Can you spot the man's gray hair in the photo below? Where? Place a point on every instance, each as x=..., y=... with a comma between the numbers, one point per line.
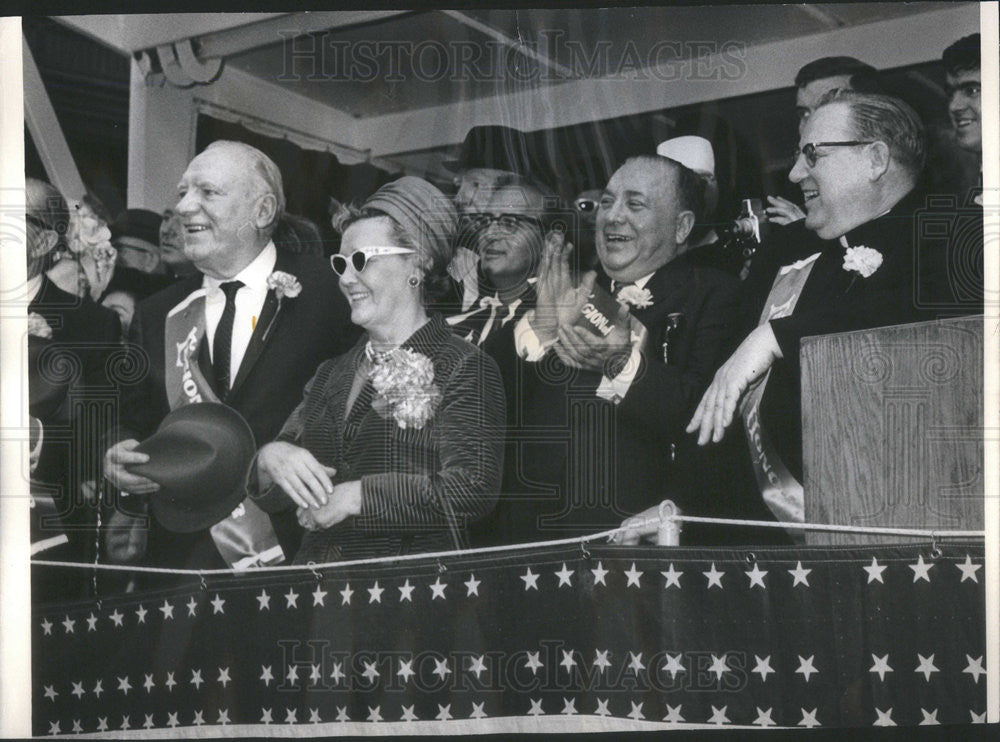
x=885, y=118
x=267, y=173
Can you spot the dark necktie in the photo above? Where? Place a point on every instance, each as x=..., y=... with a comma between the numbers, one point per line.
x=222, y=344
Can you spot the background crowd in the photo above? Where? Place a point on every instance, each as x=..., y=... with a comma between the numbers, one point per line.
x=491, y=366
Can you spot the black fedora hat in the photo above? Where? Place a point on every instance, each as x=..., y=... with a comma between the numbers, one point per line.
x=200, y=456
x=494, y=147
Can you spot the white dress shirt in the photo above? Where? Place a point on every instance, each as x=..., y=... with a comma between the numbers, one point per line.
x=249, y=302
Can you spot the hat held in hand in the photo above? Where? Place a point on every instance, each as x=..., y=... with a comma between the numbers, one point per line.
x=200, y=456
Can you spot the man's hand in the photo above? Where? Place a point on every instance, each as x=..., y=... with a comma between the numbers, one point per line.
x=557, y=300
x=751, y=360
x=117, y=458
x=343, y=503
x=297, y=472
x=782, y=211
x=580, y=348
x=127, y=537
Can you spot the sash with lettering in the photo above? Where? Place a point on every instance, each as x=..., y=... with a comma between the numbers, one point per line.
x=245, y=538
x=781, y=491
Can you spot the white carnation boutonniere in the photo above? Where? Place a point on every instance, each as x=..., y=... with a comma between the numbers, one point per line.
x=404, y=388
x=37, y=326
x=633, y=296
x=862, y=260
x=285, y=286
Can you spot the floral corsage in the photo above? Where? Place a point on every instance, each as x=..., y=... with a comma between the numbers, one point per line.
x=862, y=260
x=405, y=388
x=635, y=297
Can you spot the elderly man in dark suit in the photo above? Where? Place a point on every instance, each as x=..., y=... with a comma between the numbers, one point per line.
x=601, y=415
x=852, y=264
x=250, y=329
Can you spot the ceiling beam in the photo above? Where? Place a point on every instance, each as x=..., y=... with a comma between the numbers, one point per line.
x=550, y=65
x=275, y=30
x=759, y=69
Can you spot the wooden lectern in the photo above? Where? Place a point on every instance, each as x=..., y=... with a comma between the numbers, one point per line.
x=893, y=428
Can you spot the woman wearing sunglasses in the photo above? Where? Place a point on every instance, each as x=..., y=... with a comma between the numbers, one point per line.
x=397, y=445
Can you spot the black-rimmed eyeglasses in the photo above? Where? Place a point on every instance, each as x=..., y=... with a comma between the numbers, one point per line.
x=809, y=150
x=506, y=222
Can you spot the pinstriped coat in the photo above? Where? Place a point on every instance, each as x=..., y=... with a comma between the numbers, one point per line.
x=420, y=487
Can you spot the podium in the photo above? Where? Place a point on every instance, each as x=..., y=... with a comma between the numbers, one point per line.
x=893, y=428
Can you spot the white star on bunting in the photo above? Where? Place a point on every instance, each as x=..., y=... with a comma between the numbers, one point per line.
x=764, y=718
x=602, y=707
x=223, y=717
x=199, y=718
x=408, y=714
x=406, y=591
x=342, y=714
x=68, y=624
x=763, y=667
x=319, y=596
x=809, y=719
x=290, y=716
x=533, y=662
x=102, y=723
x=636, y=662
x=530, y=580
x=567, y=660
x=719, y=666
x=338, y=673
x=345, y=594
x=564, y=576
x=98, y=688
x=632, y=575
x=714, y=577
x=374, y=713
x=78, y=690
x=292, y=676
x=477, y=711
x=375, y=593
x=477, y=666
x=437, y=589
x=969, y=569
x=171, y=720
x=599, y=574
x=264, y=599
x=441, y=668
x=881, y=666
x=192, y=606
x=975, y=667
x=569, y=707
x=124, y=685
x=536, y=707
x=977, y=718
x=926, y=666
x=806, y=667
x=444, y=712
x=91, y=622
x=126, y=724
x=148, y=684
x=46, y=627
x=141, y=614
x=265, y=675
x=718, y=716
x=370, y=672
x=930, y=717
x=874, y=571
x=170, y=682
x=884, y=718
x=78, y=727
x=291, y=599
x=167, y=609
x=674, y=665
x=756, y=576
x=51, y=692
x=921, y=569
x=406, y=670
x=636, y=712
x=674, y=714
x=314, y=716
x=601, y=661
x=217, y=604
x=148, y=723
x=196, y=680
x=471, y=586
x=672, y=577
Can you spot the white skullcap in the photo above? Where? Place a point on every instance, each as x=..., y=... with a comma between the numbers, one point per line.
x=695, y=153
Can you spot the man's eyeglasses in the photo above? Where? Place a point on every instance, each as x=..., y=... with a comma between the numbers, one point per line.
x=506, y=222
x=809, y=150
x=359, y=258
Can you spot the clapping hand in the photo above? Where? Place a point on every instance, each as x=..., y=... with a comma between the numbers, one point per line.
x=558, y=302
x=580, y=348
x=751, y=360
x=782, y=211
